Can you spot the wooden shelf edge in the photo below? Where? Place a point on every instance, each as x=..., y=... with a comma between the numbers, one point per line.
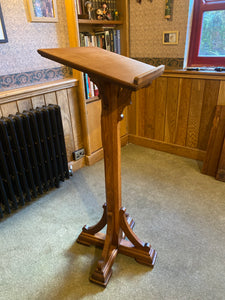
x=99, y=22
x=92, y=99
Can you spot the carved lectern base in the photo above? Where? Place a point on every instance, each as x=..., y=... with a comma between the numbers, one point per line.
x=133, y=247
x=119, y=225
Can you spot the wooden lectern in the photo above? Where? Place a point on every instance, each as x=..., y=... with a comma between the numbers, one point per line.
x=116, y=77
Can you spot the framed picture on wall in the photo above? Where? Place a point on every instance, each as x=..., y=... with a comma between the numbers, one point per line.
x=3, y=35
x=43, y=10
x=170, y=37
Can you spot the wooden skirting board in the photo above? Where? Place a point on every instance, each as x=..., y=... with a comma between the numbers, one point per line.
x=170, y=148
x=149, y=143
x=217, y=169
x=94, y=157
x=76, y=165
x=98, y=155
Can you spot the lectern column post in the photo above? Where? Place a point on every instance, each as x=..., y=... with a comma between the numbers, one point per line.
x=112, y=156
x=114, y=99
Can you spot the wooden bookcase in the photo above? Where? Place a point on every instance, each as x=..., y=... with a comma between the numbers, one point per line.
x=91, y=108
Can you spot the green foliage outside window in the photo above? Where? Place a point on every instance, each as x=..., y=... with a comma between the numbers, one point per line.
x=213, y=34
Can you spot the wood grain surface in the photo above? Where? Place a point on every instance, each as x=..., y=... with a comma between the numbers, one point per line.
x=220, y=175
x=177, y=109
x=215, y=144
x=116, y=68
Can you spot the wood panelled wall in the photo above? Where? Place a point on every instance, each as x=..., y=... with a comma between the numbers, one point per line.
x=63, y=93
x=94, y=110
x=175, y=113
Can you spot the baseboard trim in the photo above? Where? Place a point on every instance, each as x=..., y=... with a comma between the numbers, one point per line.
x=166, y=147
x=94, y=157
x=98, y=155
x=76, y=165
x=144, y=142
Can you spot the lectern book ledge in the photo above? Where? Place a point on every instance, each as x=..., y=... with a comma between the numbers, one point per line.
x=116, y=77
x=109, y=65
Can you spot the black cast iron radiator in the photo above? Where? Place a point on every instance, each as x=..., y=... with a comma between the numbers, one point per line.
x=32, y=155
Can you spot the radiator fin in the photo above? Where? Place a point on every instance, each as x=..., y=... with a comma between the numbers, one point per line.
x=32, y=156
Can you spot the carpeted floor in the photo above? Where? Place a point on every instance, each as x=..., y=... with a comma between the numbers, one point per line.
x=177, y=209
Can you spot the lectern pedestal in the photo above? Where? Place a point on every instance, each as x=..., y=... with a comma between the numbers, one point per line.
x=116, y=77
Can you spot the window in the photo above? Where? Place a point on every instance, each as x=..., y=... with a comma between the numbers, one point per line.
x=207, y=39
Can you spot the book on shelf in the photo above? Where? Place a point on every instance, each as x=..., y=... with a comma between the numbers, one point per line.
x=80, y=7
x=108, y=39
x=95, y=4
x=85, y=85
x=118, y=41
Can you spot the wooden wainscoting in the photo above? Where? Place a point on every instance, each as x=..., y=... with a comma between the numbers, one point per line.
x=94, y=109
x=175, y=113
x=61, y=92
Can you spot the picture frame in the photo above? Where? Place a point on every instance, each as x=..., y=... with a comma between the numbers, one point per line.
x=3, y=34
x=43, y=11
x=170, y=37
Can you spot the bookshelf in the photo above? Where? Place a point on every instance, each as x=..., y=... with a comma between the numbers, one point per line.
x=90, y=106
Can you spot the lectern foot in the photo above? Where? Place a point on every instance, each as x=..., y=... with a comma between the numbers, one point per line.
x=142, y=252
x=87, y=235
x=99, y=278
x=145, y=256
x=103, y=271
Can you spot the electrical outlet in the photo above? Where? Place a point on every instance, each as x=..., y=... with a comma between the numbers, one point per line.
x=78, y=154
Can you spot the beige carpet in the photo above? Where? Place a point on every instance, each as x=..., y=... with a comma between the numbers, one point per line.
x=177, y=209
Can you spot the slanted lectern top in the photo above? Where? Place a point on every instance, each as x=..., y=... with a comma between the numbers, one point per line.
x=105, y=64
x=116, y=77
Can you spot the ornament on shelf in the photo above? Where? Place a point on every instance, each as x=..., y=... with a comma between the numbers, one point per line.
x=103, y=13
x=89, y=8
x=169, y=10
x=99, y=14
x=115, y=15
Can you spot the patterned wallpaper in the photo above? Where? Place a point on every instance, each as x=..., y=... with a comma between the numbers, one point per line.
x=20, y=64
x=147, y=24
x=17, y=80
x=169, y=62
x=20, y=53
